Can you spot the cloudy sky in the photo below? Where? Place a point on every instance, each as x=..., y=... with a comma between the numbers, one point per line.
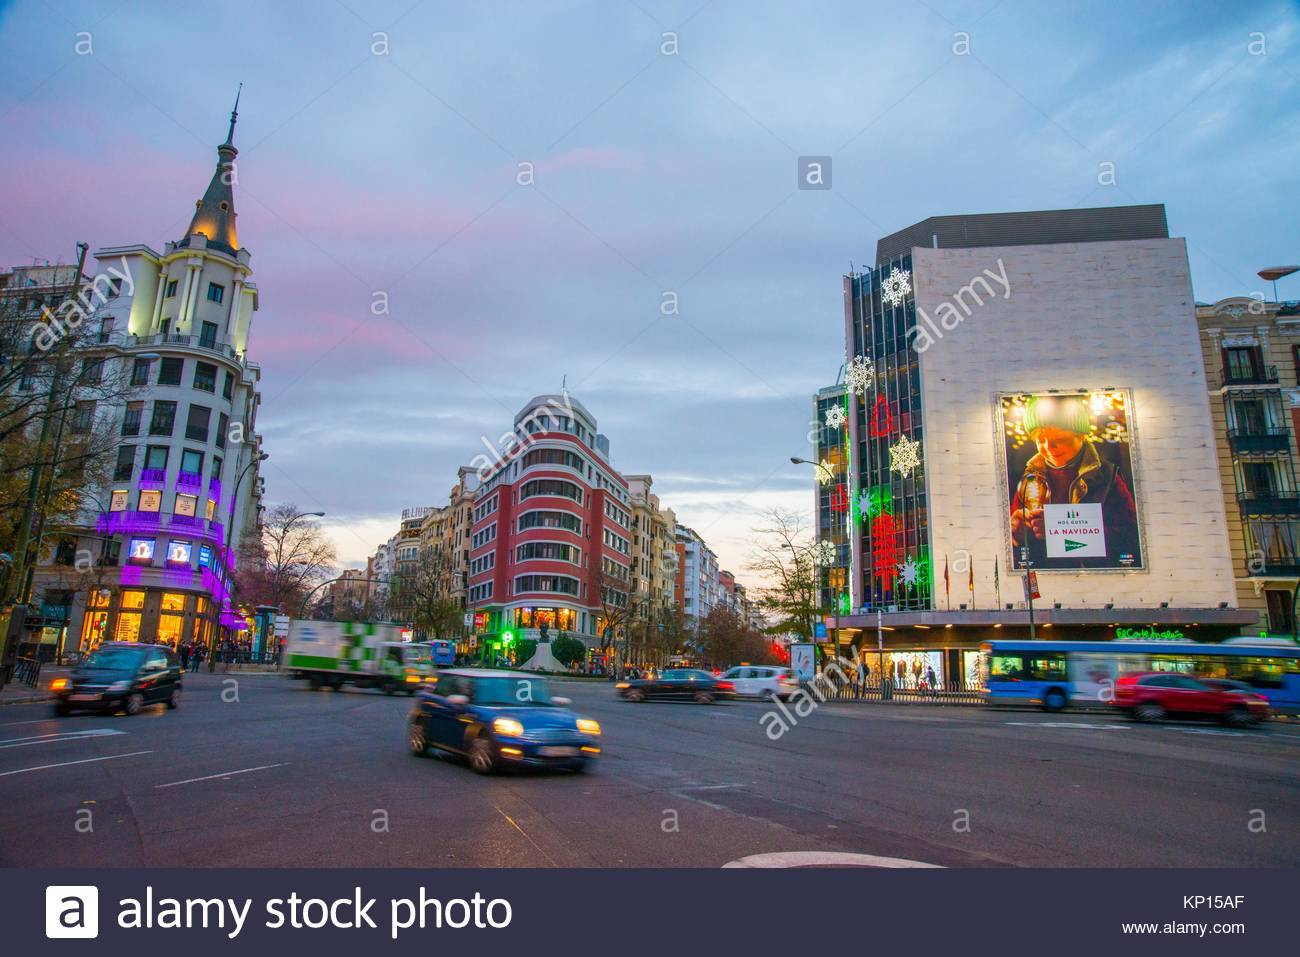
x=381, y=146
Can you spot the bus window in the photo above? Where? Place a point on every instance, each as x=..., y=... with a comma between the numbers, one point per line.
x=1007, y=668
x=1261, y=672
x=1047, y=667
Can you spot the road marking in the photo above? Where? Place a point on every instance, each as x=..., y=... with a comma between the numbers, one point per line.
x=55, y=736
x=64, y=764
x=1070, y=724
x=824, y=859
x=223, y=774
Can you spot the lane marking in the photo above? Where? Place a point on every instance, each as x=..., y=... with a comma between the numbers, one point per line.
x=824, y=859
x=55, y=736
x=1070, y=724
x=64, y=764
x=223, y=774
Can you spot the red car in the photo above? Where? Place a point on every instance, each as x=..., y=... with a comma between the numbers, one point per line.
x=1153, y=696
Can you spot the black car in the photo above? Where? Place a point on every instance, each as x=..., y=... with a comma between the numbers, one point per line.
x=683, y=684
x=120, y=676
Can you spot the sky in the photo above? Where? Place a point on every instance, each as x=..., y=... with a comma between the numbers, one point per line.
x=530, y=186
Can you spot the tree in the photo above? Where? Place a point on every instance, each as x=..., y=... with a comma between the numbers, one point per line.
x=422, y=590
x=614, y=608
x=568, y=651
x=784, y=557
x=728, y=640
x=296, y=557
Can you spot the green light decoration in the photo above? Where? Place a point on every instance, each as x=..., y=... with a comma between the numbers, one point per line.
x=846, y=604
x=507, y=636
x=876, y=500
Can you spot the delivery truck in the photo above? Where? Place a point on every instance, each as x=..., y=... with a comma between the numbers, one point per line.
x=330, y=654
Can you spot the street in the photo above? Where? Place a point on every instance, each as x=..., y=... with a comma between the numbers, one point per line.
x=256, y=770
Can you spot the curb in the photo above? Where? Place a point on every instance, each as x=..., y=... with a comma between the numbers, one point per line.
x=28, y=699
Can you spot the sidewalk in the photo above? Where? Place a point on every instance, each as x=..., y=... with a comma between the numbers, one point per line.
x=15, y=692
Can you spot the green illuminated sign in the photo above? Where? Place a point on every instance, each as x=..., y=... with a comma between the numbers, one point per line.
x=1148, y=634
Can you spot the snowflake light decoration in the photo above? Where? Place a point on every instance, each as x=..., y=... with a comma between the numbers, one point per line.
x=904, y=456
x=825, y=472
x=876, y=500
x=835, y=417
x=895, y=287
x=824, y=553
x=909, y=572
x=860, y=374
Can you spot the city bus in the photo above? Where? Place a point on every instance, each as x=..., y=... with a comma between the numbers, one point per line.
x=444, y=652
x=1057, y=674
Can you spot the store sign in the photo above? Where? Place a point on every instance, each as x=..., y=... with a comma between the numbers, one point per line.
x=1149, y=634
x=1074, y=531
x=802, y=661
x=118, y=501
x=150, y=500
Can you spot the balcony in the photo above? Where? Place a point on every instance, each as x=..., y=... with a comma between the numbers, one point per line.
x=153, y=478
x=1268, y=502
x=1265, y=375
x=1277, y=567
x=1248, y=441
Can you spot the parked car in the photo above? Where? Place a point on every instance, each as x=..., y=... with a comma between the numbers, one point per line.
x=498, y=719
x=1153, y=696
x=681, y=684
x=762, y=681
x=120, y=676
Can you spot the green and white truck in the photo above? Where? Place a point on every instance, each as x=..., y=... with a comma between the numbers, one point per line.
x=330, y=654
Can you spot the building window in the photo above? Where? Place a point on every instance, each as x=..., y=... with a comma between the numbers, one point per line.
x=560, y=584
x=171, y=289
x=480, y=593
x=205, y=376
x=556, y=487
x=546, y=551
x=192, y=462
x=1241, y=363
x=83, y=417
x=106, y=328
x=481, y=538
x=125, y=464
x=140, y=372
x=216, y=467
x=155, y=458
x=164, y=418
x=92, y=372
x=131, y=420
x=196, y=426
x=208, y=335
x=223, y=425
x=1279, y=611
x=228, y=387
x=215, y=292
x=170, y=371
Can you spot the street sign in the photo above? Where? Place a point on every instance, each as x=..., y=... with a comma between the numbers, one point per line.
x=282, y=626
x=469, y=619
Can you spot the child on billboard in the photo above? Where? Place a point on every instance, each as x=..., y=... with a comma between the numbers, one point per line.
x=1068, y=469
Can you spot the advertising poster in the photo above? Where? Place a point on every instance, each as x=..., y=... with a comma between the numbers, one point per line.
x=1072, y=499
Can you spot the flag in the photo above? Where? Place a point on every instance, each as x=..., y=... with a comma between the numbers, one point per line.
x=971, y=582
x=997, y=583
x=947, y=592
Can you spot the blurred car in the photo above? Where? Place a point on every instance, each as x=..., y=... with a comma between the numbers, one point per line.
x=497, y=719
x=120, y=676
x=1154, y=696
x=762, y=681
x=680, y=684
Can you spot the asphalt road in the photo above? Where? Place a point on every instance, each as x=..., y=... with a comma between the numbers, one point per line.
x=288, y=777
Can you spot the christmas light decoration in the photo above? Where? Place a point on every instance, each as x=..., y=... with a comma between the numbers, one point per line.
x=860, y=374
x=876, y=500
x=904, y=456
x=882, y=419
x=884, y=548
x=824, y=552
x=835, y=417
x=839, y=499
x=895, y=287
x=825, y=472
x=909, y=572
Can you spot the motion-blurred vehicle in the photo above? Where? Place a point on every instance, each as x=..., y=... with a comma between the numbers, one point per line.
x=499, y=719
x=762, y=681
x=442, y=651
x=120, y=676
x=1157, y=695
x=330, y=654
x=681, y=684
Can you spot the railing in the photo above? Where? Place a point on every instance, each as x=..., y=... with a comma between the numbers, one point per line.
x=836, y=689
x=1268, y=501
x=28, y=671
x=1259, y=440
x=1265, y=376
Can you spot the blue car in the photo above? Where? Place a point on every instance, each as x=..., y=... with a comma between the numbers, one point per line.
x=499, y=719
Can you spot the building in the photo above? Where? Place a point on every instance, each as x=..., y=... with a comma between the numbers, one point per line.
x=406, y=559
x=654, y=551
x=383, y=565
x=349, y=594
x=697, y=577
x=1252, y=363
x=163, y=533
x=832, y=510
x=550, y=540
x=1027, y=392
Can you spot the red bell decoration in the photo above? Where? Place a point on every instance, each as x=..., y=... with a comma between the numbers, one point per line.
x=882, y=420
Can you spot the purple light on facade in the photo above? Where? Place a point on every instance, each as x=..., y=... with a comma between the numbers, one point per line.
x=153, y=478
x=132, y=574
x=179, y=576
x=191, y=481
x=214, y=489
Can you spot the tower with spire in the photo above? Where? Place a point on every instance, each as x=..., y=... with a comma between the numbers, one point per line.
x=214, y=214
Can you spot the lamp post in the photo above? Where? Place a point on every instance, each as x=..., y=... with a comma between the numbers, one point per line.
x=835, y=629
x=226, y=592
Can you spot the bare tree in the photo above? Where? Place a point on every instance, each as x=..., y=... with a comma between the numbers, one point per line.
x=296, y=557
x=784, y=556
x=423, y=591
x=615, y=608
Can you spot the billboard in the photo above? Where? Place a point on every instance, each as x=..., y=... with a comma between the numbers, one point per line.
x=1071, y=498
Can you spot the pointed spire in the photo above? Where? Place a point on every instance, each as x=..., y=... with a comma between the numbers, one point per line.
x=214, y=214
x=234, y=115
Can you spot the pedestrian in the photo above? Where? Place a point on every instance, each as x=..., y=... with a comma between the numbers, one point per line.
x=930, y=679
x=185, y=657
x=862, y=676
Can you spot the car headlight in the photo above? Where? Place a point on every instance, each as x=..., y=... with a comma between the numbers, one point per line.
x=508, y=727
x=588, y=726
x=119, y=686
x=59, y=684
x=622, y=684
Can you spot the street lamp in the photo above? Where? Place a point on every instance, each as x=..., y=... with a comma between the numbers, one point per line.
x=234, y=497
